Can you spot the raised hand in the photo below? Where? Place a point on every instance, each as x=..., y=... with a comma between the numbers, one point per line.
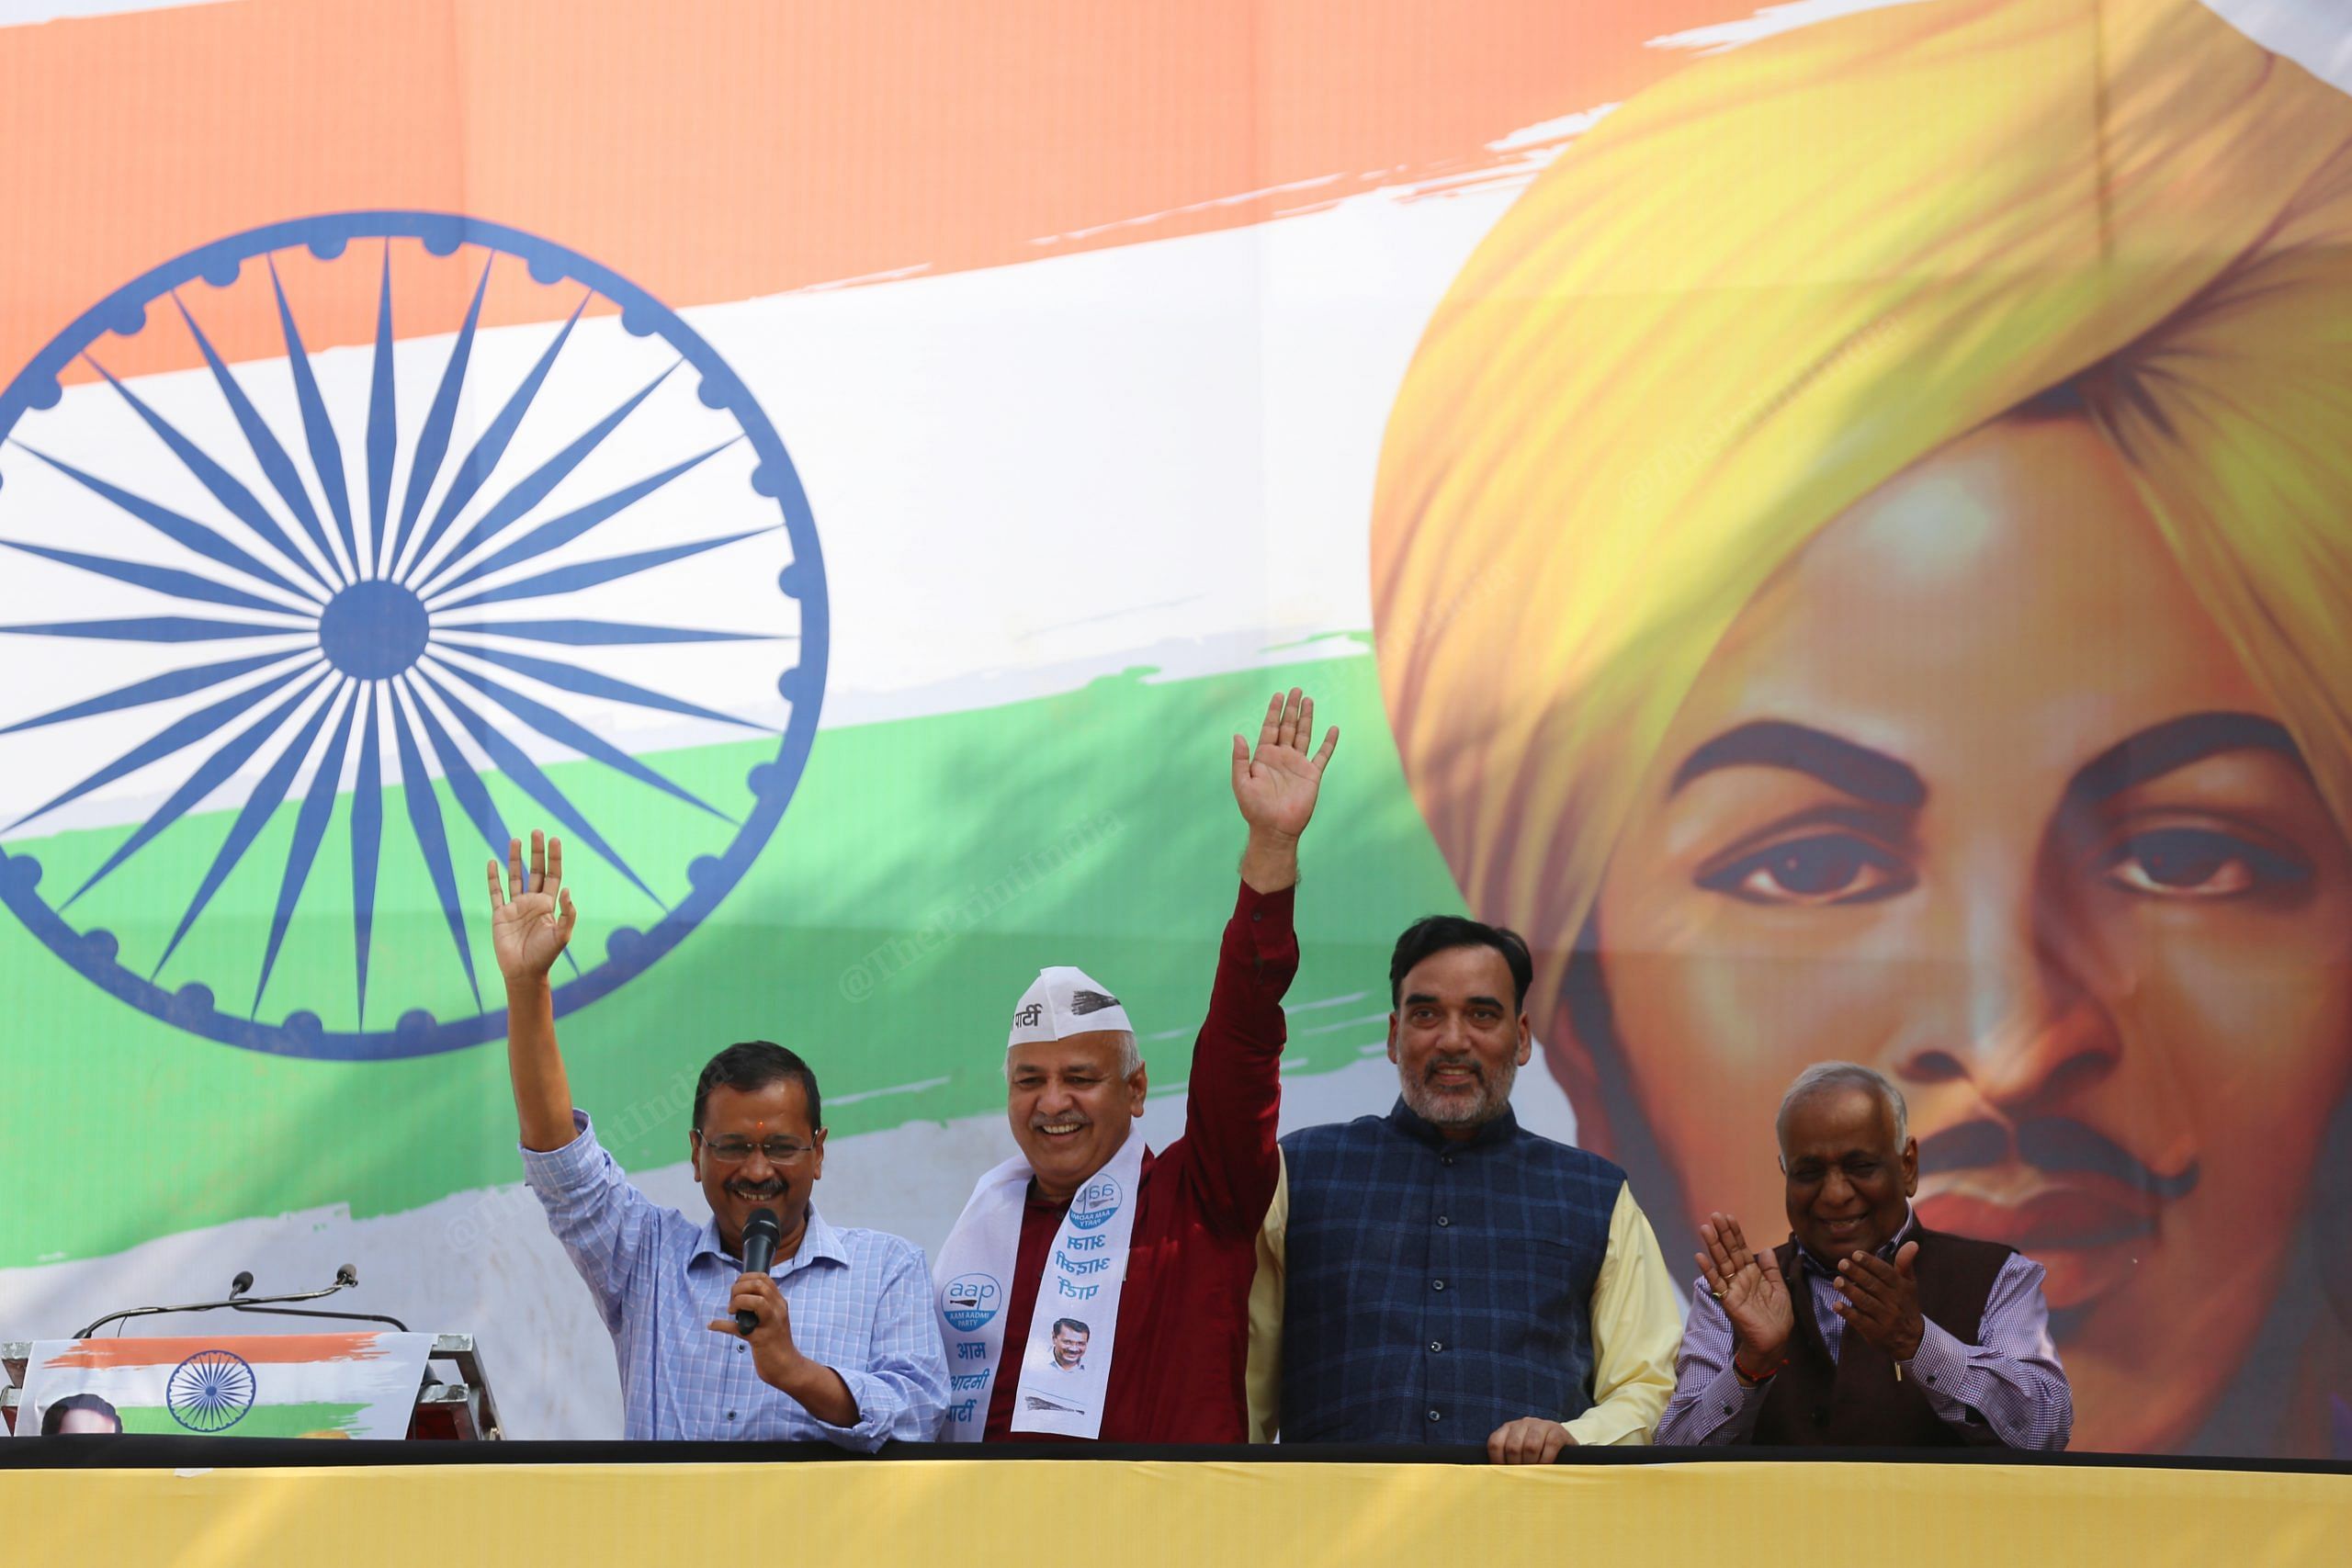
x=530, y=920
x=1276, y=787
x=1749, y=1287
x=1879, y=1301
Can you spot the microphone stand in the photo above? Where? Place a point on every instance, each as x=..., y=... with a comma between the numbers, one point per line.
x=346, y=1278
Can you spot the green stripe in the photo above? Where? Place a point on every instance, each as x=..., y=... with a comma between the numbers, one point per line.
x=944, y=859
x=260, y=1421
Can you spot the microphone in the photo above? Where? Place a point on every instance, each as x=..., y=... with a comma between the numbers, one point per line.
x=760, y=1233
x=345, y=1278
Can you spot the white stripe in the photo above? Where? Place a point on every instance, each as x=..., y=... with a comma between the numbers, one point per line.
x=1158, y=455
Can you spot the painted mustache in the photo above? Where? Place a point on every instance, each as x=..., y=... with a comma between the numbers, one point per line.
x=2056, y=1145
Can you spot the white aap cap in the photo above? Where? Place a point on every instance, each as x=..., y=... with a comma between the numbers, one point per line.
x=1063, y=1001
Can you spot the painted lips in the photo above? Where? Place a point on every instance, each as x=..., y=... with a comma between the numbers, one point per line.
x=2055, y=1217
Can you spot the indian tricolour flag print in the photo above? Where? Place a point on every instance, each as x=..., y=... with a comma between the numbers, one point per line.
x=278, y=1385
x=847, y=470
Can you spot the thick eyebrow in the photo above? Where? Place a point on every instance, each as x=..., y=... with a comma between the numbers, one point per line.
x=2168, y=747
x=1842, y=765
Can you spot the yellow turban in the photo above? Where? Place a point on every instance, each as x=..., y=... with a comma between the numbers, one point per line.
x=1759, y=290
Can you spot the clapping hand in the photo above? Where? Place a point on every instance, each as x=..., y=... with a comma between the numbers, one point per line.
x=1880, y=1301
x=1749, y=1287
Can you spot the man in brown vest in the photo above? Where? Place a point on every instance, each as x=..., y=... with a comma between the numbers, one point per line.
x=1865, y=1327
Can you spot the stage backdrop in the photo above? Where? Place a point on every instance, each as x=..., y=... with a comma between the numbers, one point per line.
x=1832, y=518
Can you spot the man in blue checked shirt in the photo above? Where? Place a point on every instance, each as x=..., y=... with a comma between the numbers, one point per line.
x=845, y=1347
x=1445, y=1275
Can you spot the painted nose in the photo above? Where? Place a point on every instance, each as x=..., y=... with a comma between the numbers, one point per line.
x=2029, y=1030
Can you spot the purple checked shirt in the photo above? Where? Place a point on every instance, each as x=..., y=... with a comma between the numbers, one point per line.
x=860, y=1300
x=2009, y=1380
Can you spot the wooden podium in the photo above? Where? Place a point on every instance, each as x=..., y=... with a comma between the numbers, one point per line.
x=328, y=1383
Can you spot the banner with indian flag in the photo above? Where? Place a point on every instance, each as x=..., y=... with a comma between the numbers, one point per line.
x=847, y=470
x=254, y=1385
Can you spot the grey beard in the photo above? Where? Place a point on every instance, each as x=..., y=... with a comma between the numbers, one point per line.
x=1494, y=1096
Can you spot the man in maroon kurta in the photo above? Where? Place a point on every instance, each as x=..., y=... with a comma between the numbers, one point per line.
x=1175, y=1375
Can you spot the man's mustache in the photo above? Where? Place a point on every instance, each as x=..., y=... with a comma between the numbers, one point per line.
x=2054, y=1143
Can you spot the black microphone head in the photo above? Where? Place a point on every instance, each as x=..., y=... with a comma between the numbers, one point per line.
x=241, y=1283
x=347, y=1275
x=762, y=1231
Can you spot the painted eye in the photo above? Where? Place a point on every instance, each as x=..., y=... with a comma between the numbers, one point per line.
x=2199, y=862
x=1823, y=868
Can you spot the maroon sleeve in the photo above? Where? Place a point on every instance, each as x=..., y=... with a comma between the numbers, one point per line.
x=1235, y=1096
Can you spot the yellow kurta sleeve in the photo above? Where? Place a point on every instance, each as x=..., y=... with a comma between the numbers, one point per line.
x=1263, y=1379
x=1636, y=1328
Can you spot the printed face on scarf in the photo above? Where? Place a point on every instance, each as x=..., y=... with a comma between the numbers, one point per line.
x=1070, y=1107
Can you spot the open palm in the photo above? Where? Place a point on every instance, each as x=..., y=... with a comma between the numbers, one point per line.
x=1748, y=1285
x=531, y=912
x=1276, y=787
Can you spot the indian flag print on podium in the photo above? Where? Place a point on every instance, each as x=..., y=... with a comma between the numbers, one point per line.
x=276, y=1385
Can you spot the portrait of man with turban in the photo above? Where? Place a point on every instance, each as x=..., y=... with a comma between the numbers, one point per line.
x=1860, y=565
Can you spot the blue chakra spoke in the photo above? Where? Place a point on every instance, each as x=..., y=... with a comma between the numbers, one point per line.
x=209, y=775
x=154, y=689
x=309, y=830
x=366, y=840
x=534, y=487
x=595, y=633
x=588, y=574
x=153, y=628
x=472, y=791
x=185, y=532
x=384, y=421
x=158, y=579
x=275, y=463
x=326, y=450
x=479, y=464
x=425, y=820
x=589, y=683
x=569, y=732
x=562, y=531
x=179, y=735
x=252, y=818
x=432, y=441
x=458, y=770
x=527, y=775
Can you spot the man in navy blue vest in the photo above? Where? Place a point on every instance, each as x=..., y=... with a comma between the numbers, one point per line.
x=1447, y=1276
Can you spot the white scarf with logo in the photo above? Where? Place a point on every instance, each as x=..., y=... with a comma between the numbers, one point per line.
x=1080, y=1286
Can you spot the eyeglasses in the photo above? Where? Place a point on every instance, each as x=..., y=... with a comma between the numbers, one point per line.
x=735, y=1151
